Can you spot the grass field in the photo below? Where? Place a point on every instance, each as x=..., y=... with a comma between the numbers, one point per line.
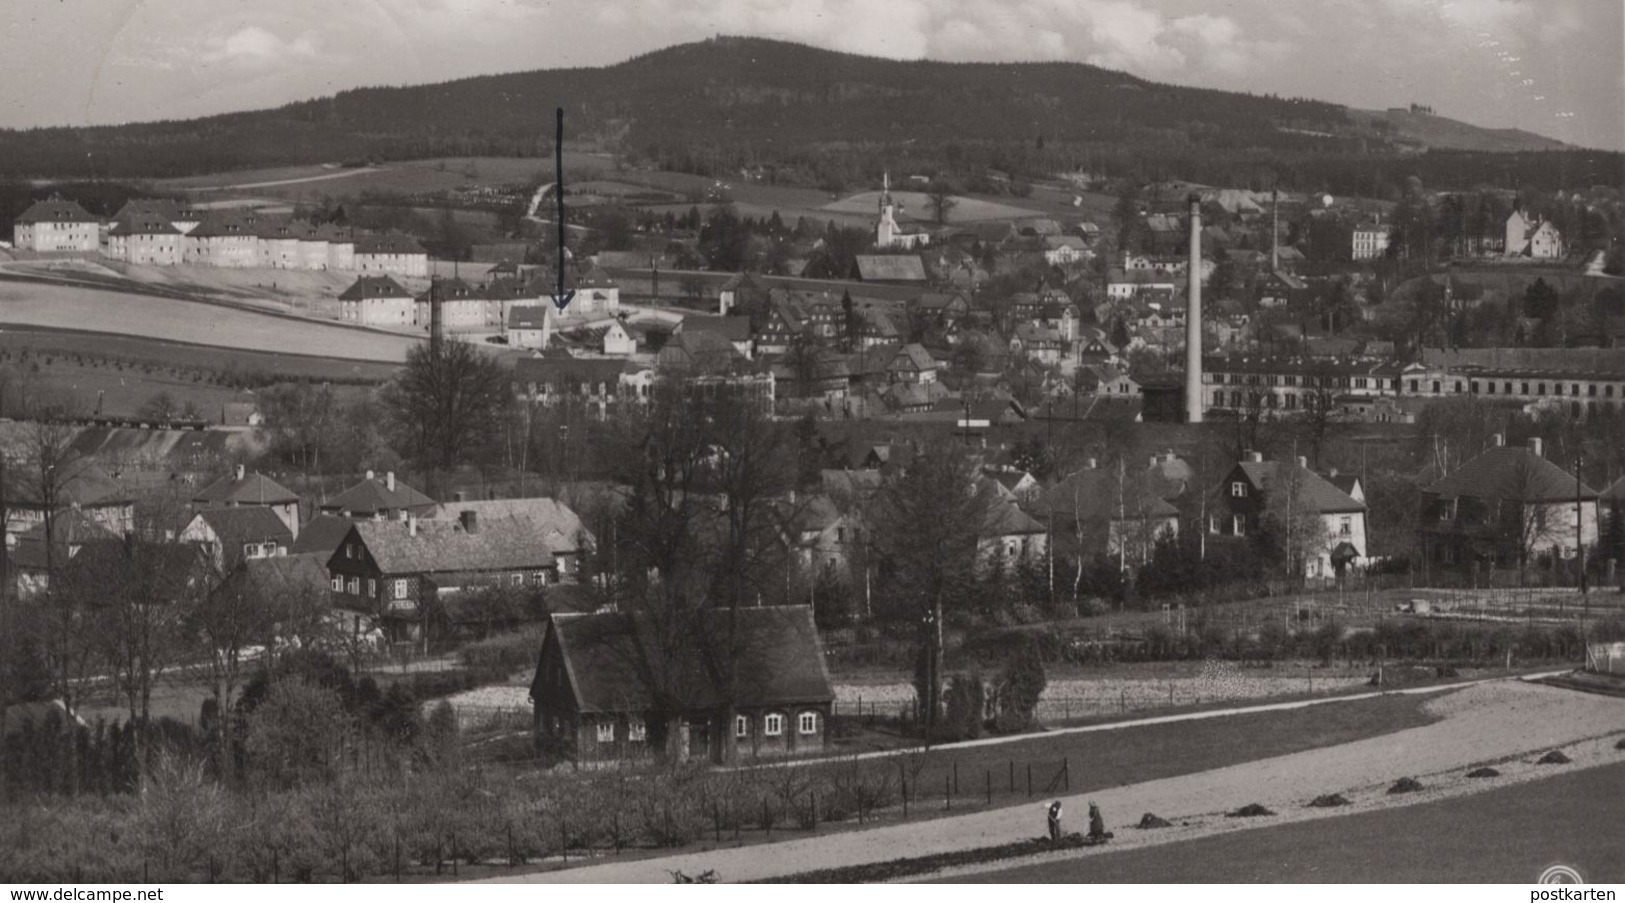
x=965, y=209
x=1508, y=835
x=308, y=183
x=137, y=350
x=190, y=322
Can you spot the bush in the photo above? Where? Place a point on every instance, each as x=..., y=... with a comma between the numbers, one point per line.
x=1484, y=772
x=1019, y=691
x=1555, y=757
x=294, y=734
x=966, y=704
x=1251, y=810
x=1329, y=800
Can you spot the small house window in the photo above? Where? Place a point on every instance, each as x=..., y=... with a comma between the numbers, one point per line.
x=741, y=726
x=400, y=589
x=1345, y=526
x=606, y=732
x=338, y=584
x=808, y=723
x=355, y=586
x=372, y=587
x=1238, y=525
x=1238, y=490
x=773, y=725
x=636, y=731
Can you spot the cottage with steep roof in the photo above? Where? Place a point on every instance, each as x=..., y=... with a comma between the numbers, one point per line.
x=241, y=489
x=530, y=325
x=56, y=226
x=232, y=535
x=385, y=570
x=614, y=686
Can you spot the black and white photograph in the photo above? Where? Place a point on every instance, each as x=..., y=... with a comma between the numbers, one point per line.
x=1044, y=442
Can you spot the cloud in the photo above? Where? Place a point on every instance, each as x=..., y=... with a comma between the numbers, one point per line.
x=253, y=47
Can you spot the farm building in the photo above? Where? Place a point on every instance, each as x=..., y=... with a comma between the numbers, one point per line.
x=599, y=676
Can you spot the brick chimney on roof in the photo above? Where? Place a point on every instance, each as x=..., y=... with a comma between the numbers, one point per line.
x=1537, y=446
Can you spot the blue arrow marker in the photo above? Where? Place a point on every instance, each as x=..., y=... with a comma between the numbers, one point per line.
x=562, y=299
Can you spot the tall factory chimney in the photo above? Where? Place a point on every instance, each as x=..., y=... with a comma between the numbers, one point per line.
x=1193, y=319
x=1275, y=230
x=436, y=327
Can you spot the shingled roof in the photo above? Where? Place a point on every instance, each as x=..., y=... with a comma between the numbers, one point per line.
x=430, y=546
x=377, y=495
x=251, y=523
x=1511, y=474
x=1091, y=494
x=1315, y=493
x=388, y=243
x=551, y=521
x=247, y=489
x=890, y=268
x=612, y=659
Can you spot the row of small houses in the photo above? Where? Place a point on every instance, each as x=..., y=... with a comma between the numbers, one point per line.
x=163, y=233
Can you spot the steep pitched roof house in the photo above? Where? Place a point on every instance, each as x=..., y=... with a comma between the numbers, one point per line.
x=242, y=489
x=1507, y=507
x=613, y=686
x=379, y=497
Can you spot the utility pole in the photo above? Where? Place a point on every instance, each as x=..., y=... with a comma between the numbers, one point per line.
x=1579, y=532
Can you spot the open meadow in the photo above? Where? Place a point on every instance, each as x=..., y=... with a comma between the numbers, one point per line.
x=428, y=176
x=43, y=306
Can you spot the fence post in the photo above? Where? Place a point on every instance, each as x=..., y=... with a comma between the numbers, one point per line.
x=947, y=793
x=1066, y=773
x=1029, y=779
x=990, y=786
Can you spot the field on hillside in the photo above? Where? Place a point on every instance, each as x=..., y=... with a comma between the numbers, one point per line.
x=309, y=183
x=966, y=209
x=191, y=322
x=135, y=351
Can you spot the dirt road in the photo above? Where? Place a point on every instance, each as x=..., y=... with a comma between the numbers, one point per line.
x=1483, y=722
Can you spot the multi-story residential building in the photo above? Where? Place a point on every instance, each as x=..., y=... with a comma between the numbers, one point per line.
x=530, y=325
x=1244, y=502
x=146, y=233
x=1369, y=241
x=241, y=489
x=1507, y=508
x=232, y=535
x=392, y=253
x=377, y=301
x=379, y=497
x=1531, y=236
x=57, y=226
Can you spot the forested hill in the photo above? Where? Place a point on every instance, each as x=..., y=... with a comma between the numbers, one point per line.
x=747, y=98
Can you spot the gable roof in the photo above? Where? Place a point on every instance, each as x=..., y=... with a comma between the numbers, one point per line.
x=613, y=658
x=1314, y=491
x=87, y=486
x=553, y=522
x=890, y=268
x=388, y=243
x=252, y=489
x=529, y=316
x=246, y=524
x=283, y=579
x=734, y=329
x=441, y=546
x=1512, y=474
x=373, y=496
x=1091, y=494
x=365, y=287
x=72, y=527
x=55, y=210
x=913, y=358
x=321, y=536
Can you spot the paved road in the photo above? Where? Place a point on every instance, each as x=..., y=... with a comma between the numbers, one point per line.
x=1481, y=722
x=94, y=310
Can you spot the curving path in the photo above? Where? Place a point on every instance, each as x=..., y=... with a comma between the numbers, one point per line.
x=1480, y=722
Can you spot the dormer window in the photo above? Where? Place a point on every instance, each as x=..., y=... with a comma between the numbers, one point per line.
x=1238, y=490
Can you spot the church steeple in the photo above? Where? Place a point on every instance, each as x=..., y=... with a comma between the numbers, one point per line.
x=885, y=190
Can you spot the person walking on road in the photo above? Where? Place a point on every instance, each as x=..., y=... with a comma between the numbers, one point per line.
x=1055, y=822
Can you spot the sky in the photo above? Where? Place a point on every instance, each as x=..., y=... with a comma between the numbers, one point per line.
x=1555, y=67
